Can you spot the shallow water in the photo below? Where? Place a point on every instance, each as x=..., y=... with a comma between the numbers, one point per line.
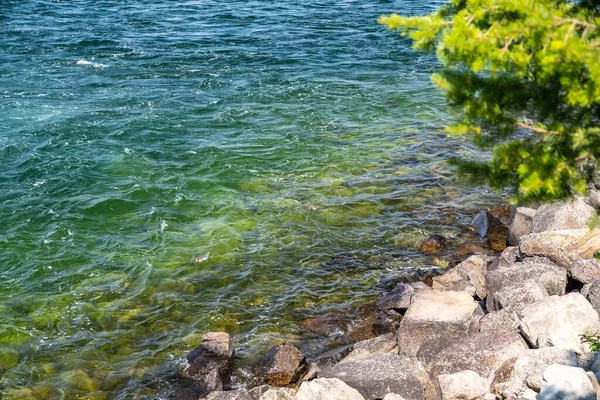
x=261, y=139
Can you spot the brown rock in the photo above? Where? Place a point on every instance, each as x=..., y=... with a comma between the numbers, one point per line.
x=564, y=246
x=281, y=365
x=433, y=244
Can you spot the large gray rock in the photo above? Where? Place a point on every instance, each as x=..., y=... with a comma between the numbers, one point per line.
x=332, y=356
x=273, y=393
x=327, y=389
x=241, y=394
x=529, y=367
x=281, y=365
x=573, y=214
x=462, y=385
x=469, y=276
x=209, y=364
x=483, y=352
x=393, y=396
x=550, y=277
x=379, y=375
x=585, y=270
x=367, y=348
x=399, y=298
x=516, y=296
x=503, y=320
x=437, y=311
x=562, y=382
x=507, y=258
x=564, y=246
x=559, y=321
x=521, y=225
x=593, y=294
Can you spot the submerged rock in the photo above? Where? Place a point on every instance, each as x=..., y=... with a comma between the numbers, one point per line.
x=281, y=365
x=354, y=324
x=433, y=244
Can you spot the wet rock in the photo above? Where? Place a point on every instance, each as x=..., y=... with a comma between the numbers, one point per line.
x=529, y=367
x=521, y=225
x=326, y=389
x=467, y=276
x=483, y=353
x=209, y=364
x=559, y=321
x=562, y=247
x=503, y=320
x=517, y=296
x=356, y=323
x=368, y=348
x=433, y=244
x=565, y=382
x=585, y=271
x=386, y=321
x=552, y=278
x=332, y=356
x=574, y=214
x=462, y=385
x=497, y=233
x=379, y=375
x=437, y=311
x=241, y=394
x=266, y=392
x=398, y=299
x=281, y=365
x=9, y=358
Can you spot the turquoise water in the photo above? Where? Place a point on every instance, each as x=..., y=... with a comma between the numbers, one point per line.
x=170, y=168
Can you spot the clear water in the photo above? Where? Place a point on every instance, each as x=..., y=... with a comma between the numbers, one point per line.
x=137, y=136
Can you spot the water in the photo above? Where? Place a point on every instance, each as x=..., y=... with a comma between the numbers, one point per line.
x=265, y=139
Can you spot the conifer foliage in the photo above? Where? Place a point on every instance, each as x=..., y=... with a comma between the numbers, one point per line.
x=526, y=73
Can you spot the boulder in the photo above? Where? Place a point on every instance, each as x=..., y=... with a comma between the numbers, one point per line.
x=266, y=392
x=326, y=389
x=332, y=356
x=520, y=225
x=561, y=382
x=398, y=299
x=550, y=277
x=497, y=233
x=241, y=394
x=503, y=320
x=589, y=361
x=573, y=214
x=564, y=246
x=516, y=296
x=593, y=294
x=281, y=365
x=209, y=364
x=593, y=198
x=367, y=348
x=437, y=311
x=393, y=396
x=353, y=323
x=559, y=321
x=462, y=385
x=528, y=369
x=469, y=276
x=379, y=375
x=585, y=270
x=507, y=258
x=482, y=353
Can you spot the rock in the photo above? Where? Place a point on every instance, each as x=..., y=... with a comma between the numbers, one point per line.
x=327, y=389
x=469, y=275
x=367, y=348
x=574, y=214
x=386, y=321
x=332, y=356
x=521, y=225
x=565, y=382
x=483, y=353
x=398, y=299
x=437, y=311
x=552, y=278
x=589, y=361
x=393, y=396
x=563, y=247
x=473, y=249
x=433, y=244
x=462, y=385
x=518, y=295
x=559, y=321
x=509, y=256
x=379, y=375
x=584, y=270
x=593, y=294
x=529, y=367
x=312, y=372
x=281, y=365
x=585, y=291
x=209, y=364
x=593, y=198
x=354, y=323
x=241, y=394
x=9, y=358
x=497, y=233
x=506, y=320
x=266, y=392
x=480, y=224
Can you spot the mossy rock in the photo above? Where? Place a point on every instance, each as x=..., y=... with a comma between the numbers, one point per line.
x=80, y=380
x=9, y=358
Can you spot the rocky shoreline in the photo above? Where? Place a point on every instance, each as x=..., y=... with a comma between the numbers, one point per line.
x=517, y=325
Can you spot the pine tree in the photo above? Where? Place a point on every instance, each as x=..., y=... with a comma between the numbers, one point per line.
x=526, y=74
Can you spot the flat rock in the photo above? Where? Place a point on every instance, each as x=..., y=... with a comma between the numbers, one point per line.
x=565, y=382
x=585, y=270
x=367, y=348
x=521, y=225
x=469, y=276
x=379, y=375
x=516, y=296
x=564, y=246
x=281, y=365
x=573, y=214
x=483, y=353
x=462, y=385
x=327, y=389
x=549, y=276
x=559, y=321
x=437, y=311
